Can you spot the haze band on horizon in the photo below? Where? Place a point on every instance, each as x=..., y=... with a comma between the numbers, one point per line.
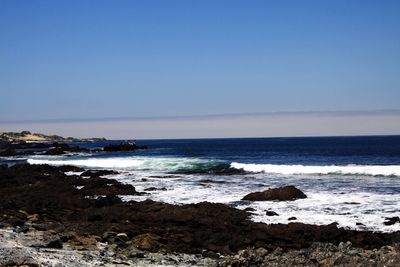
x=281, y=124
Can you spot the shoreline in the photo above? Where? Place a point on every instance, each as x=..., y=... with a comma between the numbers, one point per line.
x=42, y=198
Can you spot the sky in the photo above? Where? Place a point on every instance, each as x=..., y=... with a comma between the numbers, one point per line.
x=167, y=59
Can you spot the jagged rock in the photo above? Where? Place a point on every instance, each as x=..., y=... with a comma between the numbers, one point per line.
x=202, y=228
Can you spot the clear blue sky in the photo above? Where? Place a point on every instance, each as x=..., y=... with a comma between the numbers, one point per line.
x=93, y=59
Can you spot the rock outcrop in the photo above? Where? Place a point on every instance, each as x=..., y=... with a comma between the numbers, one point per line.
x=44, y=198
x=286, y=193
x=124, y=146
x=26, y=136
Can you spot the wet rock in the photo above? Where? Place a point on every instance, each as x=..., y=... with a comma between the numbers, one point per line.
x=292, y=219
x=8, y=152
x=285, y=193
x=62, y=148
x=392, y=220
x=271, y=213
x=128, y=146
x=106, y=187
x=154, y=226
x=107, y=201
x=155, y=189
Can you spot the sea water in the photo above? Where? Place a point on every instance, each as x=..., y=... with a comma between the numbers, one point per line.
x=353, y=181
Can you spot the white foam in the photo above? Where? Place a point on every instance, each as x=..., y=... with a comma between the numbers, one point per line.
x=168, y=164
x=375, y=170
x=347, y=210
x=343, y=199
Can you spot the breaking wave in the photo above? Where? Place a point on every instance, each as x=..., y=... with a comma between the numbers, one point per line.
x=374, y=170
x=170, y=165
x=206, y=166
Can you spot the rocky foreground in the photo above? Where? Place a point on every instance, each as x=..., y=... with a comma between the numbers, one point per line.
x=48, y=218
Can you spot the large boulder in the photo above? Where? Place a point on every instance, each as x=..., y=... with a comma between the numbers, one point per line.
x=285, y=193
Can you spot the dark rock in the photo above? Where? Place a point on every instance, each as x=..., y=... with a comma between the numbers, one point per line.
x=151, y=189
x=191, y=228
x=392, y=220
x=22, y=229
x=94, y=217
x=271, y=213
x=56, y=243
x=281, y=194
x=109, y=200
x=127, y=146
x=100, y=186
x=162, y=177
x=121, y=239
x=155, y=189
x=55, y=151
x=68, y=168
x=8, y=152
x=292, y=219
x=14, y=221
x=62, y=148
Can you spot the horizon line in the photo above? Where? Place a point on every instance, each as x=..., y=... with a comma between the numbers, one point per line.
x=208, y=116
x=264, y=137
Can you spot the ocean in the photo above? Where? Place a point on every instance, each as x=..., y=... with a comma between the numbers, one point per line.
x=352, y=181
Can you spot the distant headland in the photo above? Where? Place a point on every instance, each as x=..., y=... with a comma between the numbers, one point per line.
x=27, y=136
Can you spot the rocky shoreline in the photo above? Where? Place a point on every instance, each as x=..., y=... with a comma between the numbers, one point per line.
x=27, y=136
x=22, y=148
x=82, y=211
x=31, y=248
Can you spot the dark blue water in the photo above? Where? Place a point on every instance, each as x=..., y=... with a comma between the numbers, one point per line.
x=372, y=150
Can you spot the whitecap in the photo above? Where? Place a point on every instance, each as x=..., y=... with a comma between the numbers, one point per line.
x=375, y=170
